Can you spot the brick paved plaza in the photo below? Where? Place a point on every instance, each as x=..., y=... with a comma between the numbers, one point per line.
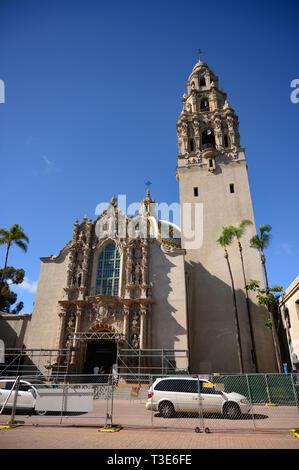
x=48, y=437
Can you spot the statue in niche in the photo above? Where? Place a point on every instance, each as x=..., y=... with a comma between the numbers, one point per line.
x=102, y=314
x=135, y=341
x=184, y=128
x=71, y=323
x=135, y=322
x=137, y=274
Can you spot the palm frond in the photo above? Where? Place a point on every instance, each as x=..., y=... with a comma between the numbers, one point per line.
x=266, y=239
x=265, y=228
x=236, y=232
x=226, y=237
x=255, y=242
x=244, y=223
x=21, y=245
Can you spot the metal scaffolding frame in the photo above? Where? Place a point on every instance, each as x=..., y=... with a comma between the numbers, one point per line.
x=38, y=362
x=84, y=336
x=138, y=361
x=51, y=363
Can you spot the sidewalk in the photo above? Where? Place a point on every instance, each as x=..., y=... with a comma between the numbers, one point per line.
x=52, y=437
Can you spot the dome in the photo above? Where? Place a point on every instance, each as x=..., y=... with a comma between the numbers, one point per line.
x=167, y=232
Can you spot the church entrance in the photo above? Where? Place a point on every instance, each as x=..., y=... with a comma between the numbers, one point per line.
x=100, y=353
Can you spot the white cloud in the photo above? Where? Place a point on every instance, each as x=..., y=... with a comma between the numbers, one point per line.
x=49, y=165
x=284, y=249
x=29, y=286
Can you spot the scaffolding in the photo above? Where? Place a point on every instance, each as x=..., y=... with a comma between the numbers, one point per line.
x=41, y=363
x=136, y=361
x=47, y=364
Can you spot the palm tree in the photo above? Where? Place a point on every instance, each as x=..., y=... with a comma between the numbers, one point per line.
x=224, y=240
x=238, y=232
x=15, y=235
x=260, y=242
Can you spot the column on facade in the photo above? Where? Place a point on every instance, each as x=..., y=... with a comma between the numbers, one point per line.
x=142, y=340
x=128, y=256
x=184, y=136
x=196, y=135
x=144, y=268
x=71, y=265
x=218, y=140
x=126, y=318
x=194, y=93
x=78, y=314
x=214, y=98
x=60, y=332
x=231, y=129
x=86, y=253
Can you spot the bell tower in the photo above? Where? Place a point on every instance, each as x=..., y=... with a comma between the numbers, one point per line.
x=212, y=175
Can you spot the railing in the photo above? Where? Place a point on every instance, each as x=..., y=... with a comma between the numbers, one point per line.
x=210, y=145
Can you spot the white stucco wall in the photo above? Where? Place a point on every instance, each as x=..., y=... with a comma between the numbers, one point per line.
x=290, y=301
x=212, y=339
x=44, y=323
x=169, y=315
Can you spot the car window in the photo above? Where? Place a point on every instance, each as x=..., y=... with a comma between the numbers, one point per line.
x=187, y=386
x=2, y=385
x=24, y=387
x=42, y=386
x=178, y=385
x=166, y=385
x=8, y=385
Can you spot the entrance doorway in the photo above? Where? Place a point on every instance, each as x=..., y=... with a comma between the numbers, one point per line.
x=100, y=353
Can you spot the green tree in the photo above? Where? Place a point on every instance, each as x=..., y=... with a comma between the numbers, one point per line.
x=238, y=232
x=7, y=296
x=14, y=236
x=260, y=242
x=225, y=240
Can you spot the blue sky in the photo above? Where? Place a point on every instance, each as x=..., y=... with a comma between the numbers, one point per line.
x=92, y=94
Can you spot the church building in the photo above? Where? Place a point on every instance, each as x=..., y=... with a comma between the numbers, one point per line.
x=149, y=296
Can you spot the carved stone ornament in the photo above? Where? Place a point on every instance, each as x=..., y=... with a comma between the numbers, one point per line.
x=102, y=314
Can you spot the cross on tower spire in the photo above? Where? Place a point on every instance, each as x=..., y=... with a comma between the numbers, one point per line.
x=199, y=51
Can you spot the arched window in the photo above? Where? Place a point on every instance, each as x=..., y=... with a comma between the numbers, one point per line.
x=202, y=81
x=191, y=145
x=108, y=271
x=207, y=139
x=225, y=140
x=204, y=105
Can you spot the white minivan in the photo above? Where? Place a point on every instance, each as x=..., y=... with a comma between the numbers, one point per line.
x=181, y=394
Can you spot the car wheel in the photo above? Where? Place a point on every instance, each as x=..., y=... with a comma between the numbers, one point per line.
x=232, y=411
x=166, y=409
x=41, y=412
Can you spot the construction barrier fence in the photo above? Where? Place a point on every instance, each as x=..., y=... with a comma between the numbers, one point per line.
x=196, y=402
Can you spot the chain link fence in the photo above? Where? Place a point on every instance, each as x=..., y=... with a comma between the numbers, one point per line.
x=202, y=403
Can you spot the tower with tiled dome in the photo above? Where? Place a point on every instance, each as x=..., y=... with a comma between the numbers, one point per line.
x=213, y=181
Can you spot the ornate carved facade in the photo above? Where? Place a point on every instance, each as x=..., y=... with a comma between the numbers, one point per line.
x=108, y=286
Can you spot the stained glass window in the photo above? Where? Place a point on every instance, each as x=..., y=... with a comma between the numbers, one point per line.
x=108, y=271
